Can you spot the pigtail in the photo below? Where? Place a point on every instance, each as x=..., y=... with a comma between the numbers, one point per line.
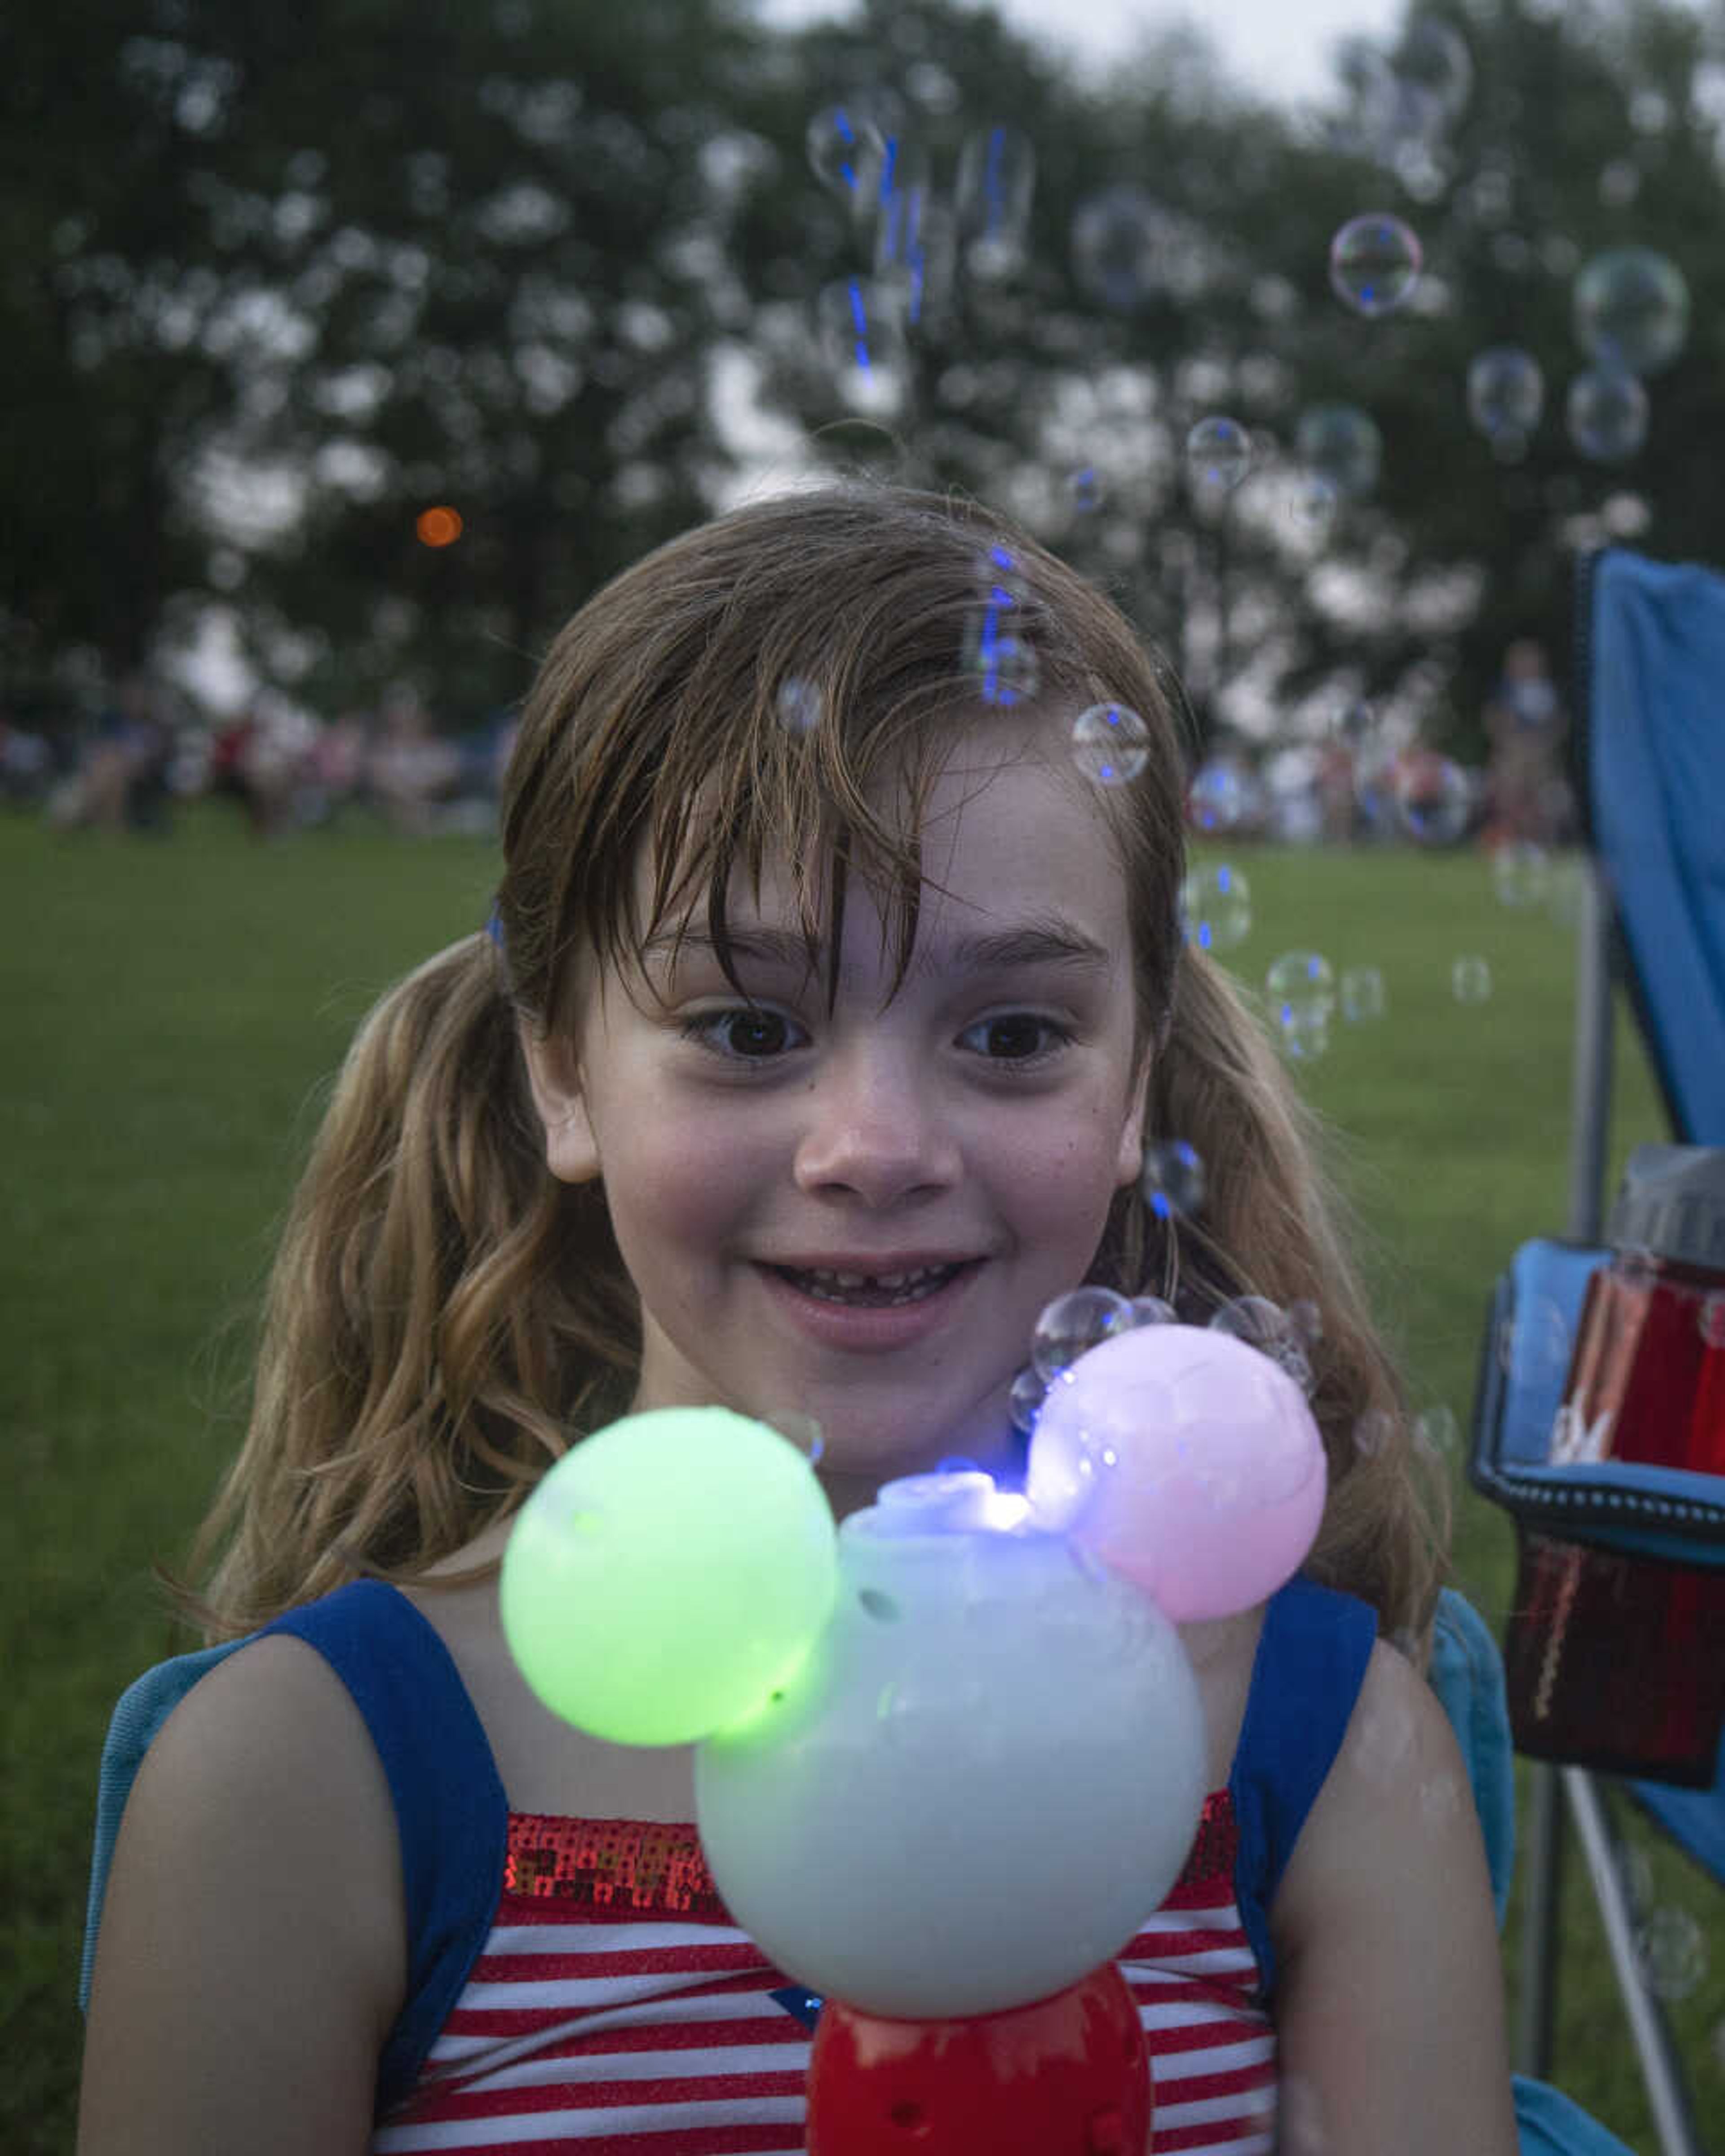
x=441, y=1317
x=1273, y=1225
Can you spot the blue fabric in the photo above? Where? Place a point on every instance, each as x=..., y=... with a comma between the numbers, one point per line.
x=1548, y=2124
x=1657, y=659
x=1695, y=1818
x=143, y=1707
x=1311, y=1662
x=1647, y=1511
x=1466, y=1674
x=452, y=1817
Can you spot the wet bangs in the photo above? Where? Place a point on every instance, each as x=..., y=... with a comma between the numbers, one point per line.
x=784, y=685
x=824, y=781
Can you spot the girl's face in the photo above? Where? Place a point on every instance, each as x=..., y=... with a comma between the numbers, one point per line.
x=857, y=1215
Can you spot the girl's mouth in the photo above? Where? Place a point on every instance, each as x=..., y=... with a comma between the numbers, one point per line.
x=872, y=1291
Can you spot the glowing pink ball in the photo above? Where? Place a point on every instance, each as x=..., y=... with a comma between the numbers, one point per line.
x=1187, y=1462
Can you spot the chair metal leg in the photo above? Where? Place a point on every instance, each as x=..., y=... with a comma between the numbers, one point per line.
x=1667, y=2092
x=1590, y=1078
x=1542, y=1874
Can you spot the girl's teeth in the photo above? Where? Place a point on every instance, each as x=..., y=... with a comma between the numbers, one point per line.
x=910, y=1286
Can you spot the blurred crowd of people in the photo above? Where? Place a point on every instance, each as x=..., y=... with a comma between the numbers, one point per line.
x=285, y=769
x=146, y=749
x=1364, y=783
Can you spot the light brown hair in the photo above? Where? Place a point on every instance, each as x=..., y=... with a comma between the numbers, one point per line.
x=444, y=1319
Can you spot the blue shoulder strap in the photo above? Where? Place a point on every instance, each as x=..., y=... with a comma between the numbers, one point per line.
x=1311, y=1662
x=452, y=1816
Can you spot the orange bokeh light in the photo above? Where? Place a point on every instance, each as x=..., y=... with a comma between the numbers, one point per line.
x=439, y=528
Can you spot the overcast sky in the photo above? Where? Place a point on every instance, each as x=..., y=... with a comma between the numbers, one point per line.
x=1279, y=48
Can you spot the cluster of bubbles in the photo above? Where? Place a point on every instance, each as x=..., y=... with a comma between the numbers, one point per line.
x=1406, y=100
x=1630, y=309
x=1074, y=1323
x=998, y=653
x=1129, y=250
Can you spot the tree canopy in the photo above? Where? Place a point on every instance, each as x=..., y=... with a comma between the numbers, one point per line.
x=278, y=282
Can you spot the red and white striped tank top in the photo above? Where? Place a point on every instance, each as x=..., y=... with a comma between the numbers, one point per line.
x=616, y=2011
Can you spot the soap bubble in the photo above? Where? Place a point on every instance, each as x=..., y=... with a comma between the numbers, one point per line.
x=992, y=194
x=1342, y=444
x=1217, y=903
x=1218, y=797
x=1433, y=798
x=1087, y=490
x=1374, y=1433
x=847, y=151
x=1300, y=981
x=861, y=322
x=996, y=650
x=1470, y=979
x=1302, y=997
x=1218, y=454
x=1151, y=1310
x=1433, y=59
x=1521, y=873
x=1672, y=1950
x=1267, y=1327
x=1434, y=1431
x=1111, y=744
x=798, y=705
x=1506, y=392
x=1303, y=1035
x=1313, y=503
x=1362, y=994
x=1607, y=414
x=1072, y=1323
x=1375, y=263
x=1631, y=310
x=1172, y=1180
x=915, y=246
x=1026, y=1398
x=1122, y=240
x=1006, y=666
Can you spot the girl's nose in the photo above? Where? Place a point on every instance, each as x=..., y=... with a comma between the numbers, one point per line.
x=873, y=1125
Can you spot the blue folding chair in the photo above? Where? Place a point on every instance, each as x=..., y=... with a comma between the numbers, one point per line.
x=1651, y=690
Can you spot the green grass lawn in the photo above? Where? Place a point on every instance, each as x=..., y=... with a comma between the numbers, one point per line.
x=172, y=1011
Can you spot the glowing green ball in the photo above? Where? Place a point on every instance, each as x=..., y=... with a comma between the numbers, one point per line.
x=668, y=1575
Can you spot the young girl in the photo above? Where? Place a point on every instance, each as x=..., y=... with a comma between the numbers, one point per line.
x=827, y=1009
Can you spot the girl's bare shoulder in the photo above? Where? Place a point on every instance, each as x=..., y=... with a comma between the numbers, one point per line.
x=253, y=1924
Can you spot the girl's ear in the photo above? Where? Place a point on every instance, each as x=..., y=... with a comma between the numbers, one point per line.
x=572, y=1153
x=1130, y=1166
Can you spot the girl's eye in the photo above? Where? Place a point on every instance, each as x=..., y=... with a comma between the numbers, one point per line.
x=1018, y=1038
x=745, y=1034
